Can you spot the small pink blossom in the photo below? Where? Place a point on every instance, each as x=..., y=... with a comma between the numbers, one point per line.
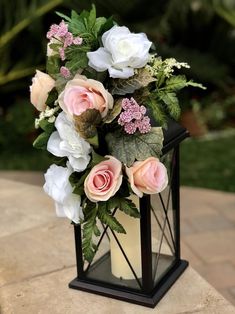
x=52, y=31
x=62, y=54
x=63, y=36
x=65, y=72
x=68, y=40
x=77, y=40
x=62, y=30
x=133, y=117
x=130, y=127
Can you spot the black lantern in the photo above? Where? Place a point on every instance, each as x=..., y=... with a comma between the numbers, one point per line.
x=155, y=264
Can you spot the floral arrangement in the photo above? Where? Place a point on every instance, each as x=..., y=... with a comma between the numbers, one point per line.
x=103, y=103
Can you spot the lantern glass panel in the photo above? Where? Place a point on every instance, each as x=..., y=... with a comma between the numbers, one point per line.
x=162, y=216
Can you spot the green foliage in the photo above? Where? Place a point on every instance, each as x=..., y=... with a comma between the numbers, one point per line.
x=46, y=126
x=172, y=103
x=106, y=217
x=88, y=27
x=89, y=230
x=157, y=111
x=41, y=140
x=138, y=146
x=105, y=212
x=125, y=205
x=163, y=101
x=15, y=17
x=114, y=112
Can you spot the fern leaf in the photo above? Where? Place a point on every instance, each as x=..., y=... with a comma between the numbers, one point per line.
x=105, y=216
x=172, y=103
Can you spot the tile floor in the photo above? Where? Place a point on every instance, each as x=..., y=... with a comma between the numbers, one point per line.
x=207, y=228
x=208, y=236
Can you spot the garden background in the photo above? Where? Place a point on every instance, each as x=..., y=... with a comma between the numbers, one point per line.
x=201, y=33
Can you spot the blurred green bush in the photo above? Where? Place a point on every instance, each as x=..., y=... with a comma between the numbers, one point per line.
x=197, y=31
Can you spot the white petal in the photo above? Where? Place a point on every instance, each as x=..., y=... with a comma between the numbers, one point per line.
x=115, y=33
x=99, y=60
x=79, y=163
x=124, y=73
x=53, y=145
x=57, y=184
x=72, y=208
x=59, y=208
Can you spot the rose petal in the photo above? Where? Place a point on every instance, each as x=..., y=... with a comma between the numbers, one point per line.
x=53, y=145
x=99, y=60
x=123, y=73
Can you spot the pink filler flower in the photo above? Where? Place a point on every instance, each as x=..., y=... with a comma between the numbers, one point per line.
x=133, y=117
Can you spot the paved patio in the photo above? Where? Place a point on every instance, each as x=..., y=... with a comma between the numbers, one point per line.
x=208, y=236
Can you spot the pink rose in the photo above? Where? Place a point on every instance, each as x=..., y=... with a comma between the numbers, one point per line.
x=41, y=86
x=104, y=180
x=148, y=176
x=81, y=94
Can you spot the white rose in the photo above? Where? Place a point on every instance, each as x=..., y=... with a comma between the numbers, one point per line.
x=123, y=52
x=58, y=187
x=66, y=142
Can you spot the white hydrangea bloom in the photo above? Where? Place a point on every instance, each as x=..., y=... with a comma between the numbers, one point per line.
x=58, y=187
x=66, y=142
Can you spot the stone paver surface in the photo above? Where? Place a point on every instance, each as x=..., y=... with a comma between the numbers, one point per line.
x=37, y=253
x=208, y=236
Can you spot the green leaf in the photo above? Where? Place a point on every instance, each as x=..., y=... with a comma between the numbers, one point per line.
x=96, y=159
x=46, y=126
x=77, y=181
x=107, y=25
x=53, y=65
x=52, y=97
x=77, y=60
x=172, y=103
x=41, y=140
x=128, y=86
x=176, y=83
x=194, y=84
x=114, y=112
x=100, y=21
x=92, y=17
x=105, y=216
x=76, y=25
x=157, y=111
x=138, y=146
x=63, y=16
x=94, y=141
x=125, y=205
x=89, y=229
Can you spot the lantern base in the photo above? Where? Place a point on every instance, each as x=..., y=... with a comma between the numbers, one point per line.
x=136, y=297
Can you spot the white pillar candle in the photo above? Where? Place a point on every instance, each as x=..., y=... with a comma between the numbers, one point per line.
x=130, y=243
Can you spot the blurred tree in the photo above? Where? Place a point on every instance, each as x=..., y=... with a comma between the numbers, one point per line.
x=199, y=32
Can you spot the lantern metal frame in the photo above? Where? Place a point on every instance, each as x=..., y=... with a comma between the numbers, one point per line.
x=147, y=292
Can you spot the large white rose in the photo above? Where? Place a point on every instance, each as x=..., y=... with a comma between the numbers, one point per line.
x=123, y=52
x=58, y=187
x=66, y=142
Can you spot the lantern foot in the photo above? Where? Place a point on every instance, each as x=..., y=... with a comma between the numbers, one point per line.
x=132, y=295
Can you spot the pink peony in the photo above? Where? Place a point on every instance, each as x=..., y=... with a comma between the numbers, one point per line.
x=104, y=180
x=41, y=86
x=81, y=94
x=148, y=176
